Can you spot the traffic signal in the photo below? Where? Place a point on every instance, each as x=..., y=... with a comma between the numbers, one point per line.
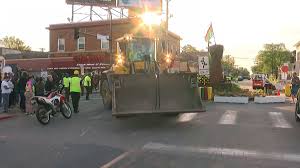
x=293, y=56
x=76, y=33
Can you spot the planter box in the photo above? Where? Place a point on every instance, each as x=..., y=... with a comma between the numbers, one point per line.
x=269, y=99
x=223, y=99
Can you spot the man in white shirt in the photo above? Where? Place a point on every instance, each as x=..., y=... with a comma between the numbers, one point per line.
x=6, y=87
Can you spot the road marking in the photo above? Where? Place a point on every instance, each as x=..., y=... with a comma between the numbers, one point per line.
x=186, y=117
x=228, y=118
x=84, y=131
x=239, y=153
x=116, y=160
x=278, y=120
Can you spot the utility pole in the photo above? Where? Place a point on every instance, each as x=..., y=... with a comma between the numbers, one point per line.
x=110, y=38
x=167, y=26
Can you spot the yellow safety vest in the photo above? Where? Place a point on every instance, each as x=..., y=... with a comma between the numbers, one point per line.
x=66, y=82
x=75, y=84
x=87, y=81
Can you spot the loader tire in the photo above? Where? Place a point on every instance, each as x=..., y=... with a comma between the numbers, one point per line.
x=106, y=95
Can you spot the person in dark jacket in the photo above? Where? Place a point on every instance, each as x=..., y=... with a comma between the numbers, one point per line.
x=22, y=85
x=40, y=87
x=50, y=85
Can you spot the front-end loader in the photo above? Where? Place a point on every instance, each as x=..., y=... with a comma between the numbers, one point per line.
x=139, y=82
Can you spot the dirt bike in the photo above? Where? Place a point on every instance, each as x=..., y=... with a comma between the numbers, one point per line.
x=50, y=106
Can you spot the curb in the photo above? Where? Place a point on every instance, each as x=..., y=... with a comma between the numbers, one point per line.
x=3, y=117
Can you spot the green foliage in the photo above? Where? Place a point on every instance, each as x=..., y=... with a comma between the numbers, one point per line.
x=203, y=80
x=228, y=64
x=15, y=43
x=228, y=89
x=270, y=59
x=189, y=49
x=230, y=69
x=243, y=71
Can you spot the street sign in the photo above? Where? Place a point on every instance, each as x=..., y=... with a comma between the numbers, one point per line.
x=102, y=37
x=203, y=62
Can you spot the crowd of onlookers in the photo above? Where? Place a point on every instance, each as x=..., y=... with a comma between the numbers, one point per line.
x=18, y=90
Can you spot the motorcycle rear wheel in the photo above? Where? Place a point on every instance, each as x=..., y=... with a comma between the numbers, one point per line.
x=66, y=110
x=42, y=116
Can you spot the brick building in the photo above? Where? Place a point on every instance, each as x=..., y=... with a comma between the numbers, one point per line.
x=93, y=43
x=91, y=48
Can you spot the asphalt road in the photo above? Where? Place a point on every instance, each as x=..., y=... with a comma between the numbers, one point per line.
x=245, y=84
x=225, y=136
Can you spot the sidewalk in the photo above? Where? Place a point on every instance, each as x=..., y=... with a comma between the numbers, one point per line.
x=13, y=112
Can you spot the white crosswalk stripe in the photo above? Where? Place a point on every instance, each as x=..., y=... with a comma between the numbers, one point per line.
x=221, y=152
x=186, y=117
x=228, y=118
x=278, y=120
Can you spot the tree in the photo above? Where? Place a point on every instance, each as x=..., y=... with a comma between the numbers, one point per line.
x=189, y=52
x=270, y=59
x=243, y=71
x=15, y=43
x=228, y=64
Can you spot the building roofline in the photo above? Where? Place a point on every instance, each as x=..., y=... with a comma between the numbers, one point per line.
x=99, y=23
x=87, y=24
x=174, y=35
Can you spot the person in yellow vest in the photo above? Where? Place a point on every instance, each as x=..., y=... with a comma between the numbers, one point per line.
x=66, y=82
x=75, y=89
x=87, y=82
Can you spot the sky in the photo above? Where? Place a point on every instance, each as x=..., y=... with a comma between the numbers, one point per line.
x=242, y=26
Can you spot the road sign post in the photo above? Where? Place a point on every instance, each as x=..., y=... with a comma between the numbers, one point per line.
x=203, y=62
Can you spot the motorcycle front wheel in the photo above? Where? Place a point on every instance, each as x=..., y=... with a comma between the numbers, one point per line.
x=66, y=110
x=42, y=115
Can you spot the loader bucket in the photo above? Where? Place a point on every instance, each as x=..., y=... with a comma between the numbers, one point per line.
x=178, y=93
x=134, y=94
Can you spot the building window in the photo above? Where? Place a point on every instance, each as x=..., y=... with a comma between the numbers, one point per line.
x=61, y=44
x=81, y=43
x=104, y=44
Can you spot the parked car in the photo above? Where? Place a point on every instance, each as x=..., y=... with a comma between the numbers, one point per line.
x=240, y=78
x=247, y=77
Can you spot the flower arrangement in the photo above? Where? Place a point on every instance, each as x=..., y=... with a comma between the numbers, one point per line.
x=203, y=80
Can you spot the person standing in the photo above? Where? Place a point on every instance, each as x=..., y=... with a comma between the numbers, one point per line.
x=0, y=90
x=29, y=93
x=66, y=82
x=295, y=86
x=21, y=89
x=12, y=95
x=75, y=89
x=49, y=86
x=82, y=85
x=40, y=87
x=6, y=87
x=87, y=82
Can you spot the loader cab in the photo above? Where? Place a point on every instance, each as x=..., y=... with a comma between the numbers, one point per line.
x=138, y=54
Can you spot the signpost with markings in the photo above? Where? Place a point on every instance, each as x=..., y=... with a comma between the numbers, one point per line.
x=203, y=62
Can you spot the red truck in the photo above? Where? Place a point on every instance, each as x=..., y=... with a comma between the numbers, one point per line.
x=258, y=81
